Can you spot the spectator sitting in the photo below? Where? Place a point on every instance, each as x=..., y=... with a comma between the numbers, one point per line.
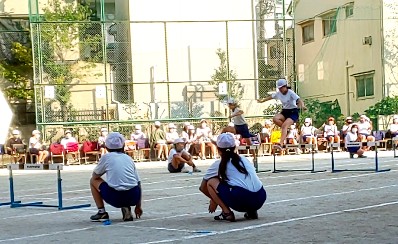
x=191, y=141
x=64, y=142
x=230, y=128
x=37, y=148
x=178, y=157
x=266, y=131
x=292, y=137
x=172, y=135
x=101, y=140
x=205, y=135
x=137, y=134
x=352, y=136
x=346, y=126
x=185, y=130
x=308, y=133
x=394, y=128
x=15, y=139
x=158, y=142
x=331, y=133
x=365, y=130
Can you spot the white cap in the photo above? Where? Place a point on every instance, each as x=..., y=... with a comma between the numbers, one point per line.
x=68, y=131
x=178, y=140
x=15, y=132
x=114, y=140
x=363, y=116
x=280, y=83
x=348, y=118
x=231, y=124
x=307, y=120
x=191, y=127
x=268, y=122
x=35, y=132
x=187, y=124
x=137, y=127
x=231, y=101
x=203, y=120
x=157, y=123
x=104, y=130
x=226, y=140
x=172, y=126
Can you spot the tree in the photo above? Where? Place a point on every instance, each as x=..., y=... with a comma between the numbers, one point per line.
x=223, y=74
x=17, y=73
x=386, y=106
x=319, y=112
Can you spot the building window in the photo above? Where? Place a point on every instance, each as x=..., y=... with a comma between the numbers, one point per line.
x=308, y=32
x=329, y=23
x=365, y=85
x=349, y=10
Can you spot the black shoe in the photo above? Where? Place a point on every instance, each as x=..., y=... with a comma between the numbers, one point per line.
x=127, y=216
x=251, y=215
x=362, y=156
x=100, y=217
x=351, y=155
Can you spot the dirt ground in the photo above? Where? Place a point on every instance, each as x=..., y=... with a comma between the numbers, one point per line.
x=302, y=207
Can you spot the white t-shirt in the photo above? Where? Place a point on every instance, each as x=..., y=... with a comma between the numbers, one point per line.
x=266, y=131
x=330, y=130
x=238, y=120
x=249, y=182
x=350, y=137
x=204, y=132
x=289, y=101
x=394, y=128
x=346, y=128
x=65, y=141
x=137, y=136
x=172, y=136
x=101, y=140
x=307, y=130
x=292, y=134
x=174, y=152
x=120, y=170
x=364, y=128
x=34, y=143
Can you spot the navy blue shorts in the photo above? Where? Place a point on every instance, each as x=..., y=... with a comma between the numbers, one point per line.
x=240, y=199
x=364, y=134
x=119, y=199
x=243, y=131
x=353, y=149
x=291, y=113
x=305, y=137
x=175, y=170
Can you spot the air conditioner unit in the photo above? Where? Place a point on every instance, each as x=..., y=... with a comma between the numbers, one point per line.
x=367, y=40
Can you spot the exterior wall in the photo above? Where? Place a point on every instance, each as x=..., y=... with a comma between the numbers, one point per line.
x=326, y=65
x=390, y=23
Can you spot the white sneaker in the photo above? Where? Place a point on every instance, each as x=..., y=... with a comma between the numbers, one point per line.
x=184, y=170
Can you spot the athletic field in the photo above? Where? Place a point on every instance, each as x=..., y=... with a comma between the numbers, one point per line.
x=302, y=207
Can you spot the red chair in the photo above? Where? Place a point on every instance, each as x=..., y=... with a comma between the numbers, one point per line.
x=90, y=148
x=57, y=151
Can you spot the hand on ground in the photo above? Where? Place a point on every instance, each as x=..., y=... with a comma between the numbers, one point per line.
x=138, y=212
x=212, y=206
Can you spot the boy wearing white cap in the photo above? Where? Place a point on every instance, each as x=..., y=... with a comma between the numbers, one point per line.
x=122, y=188
x=291, y=102
x=232, y=183
x=178, y=157
x=15, y=139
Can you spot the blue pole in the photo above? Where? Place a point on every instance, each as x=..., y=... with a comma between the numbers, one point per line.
x=59, y=181
x=332, y=160
x=313, y=161
x=12, y=199
x=376, y=159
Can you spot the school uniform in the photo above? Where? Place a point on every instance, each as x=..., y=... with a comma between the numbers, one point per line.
x=289, y=104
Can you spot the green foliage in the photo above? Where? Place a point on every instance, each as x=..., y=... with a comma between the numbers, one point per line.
x=386, y=106
x=319, y=112
x=17, y=73
x=222, y=74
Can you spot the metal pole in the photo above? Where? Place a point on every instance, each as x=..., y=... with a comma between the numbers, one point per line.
x=332, y=160
x=274, y=163
x=284, y=39
x=12, y=198
x=104, y=57
x=376, y=158
x=167, y=69
x=312, y=156
x=59, y=182
x=227, y=56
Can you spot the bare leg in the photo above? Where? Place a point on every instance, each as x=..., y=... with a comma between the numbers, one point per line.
x=279, y=119
x=212, y=185
x=166, y=151
x=95, y=192
x=203, y=150
x=160, y=150
x=288, y=122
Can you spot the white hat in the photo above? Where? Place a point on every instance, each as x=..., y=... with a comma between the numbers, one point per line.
x=348, y=118
x=68, y=131
x=203, y=120
x=280, y=83
x=307, y=120
x=172, y=126
x=363, y=116
x=137, y=127
x=35, y=132
x=178, y=140
x=157, y=123
x=114, y=140
x=15, y=132
x=226, y=140
x=231, y=124
x=231, y=101
x=191, y=127
x=104, y=130
x=187, y=124
x=395, y=116
x=268, y=122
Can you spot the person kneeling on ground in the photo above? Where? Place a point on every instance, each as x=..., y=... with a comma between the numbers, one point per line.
x=232, y=183
x=178, y=157
x=352, y=136
x=122, y=188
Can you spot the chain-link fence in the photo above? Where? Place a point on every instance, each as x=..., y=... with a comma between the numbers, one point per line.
x=111, y=72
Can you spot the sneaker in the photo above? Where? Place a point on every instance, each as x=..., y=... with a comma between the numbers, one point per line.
x=184, y=170
x=100, y=217
x=196, y=170
x=351, y=155
x=362, y=156
x=127, y=216
x=251, y=215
